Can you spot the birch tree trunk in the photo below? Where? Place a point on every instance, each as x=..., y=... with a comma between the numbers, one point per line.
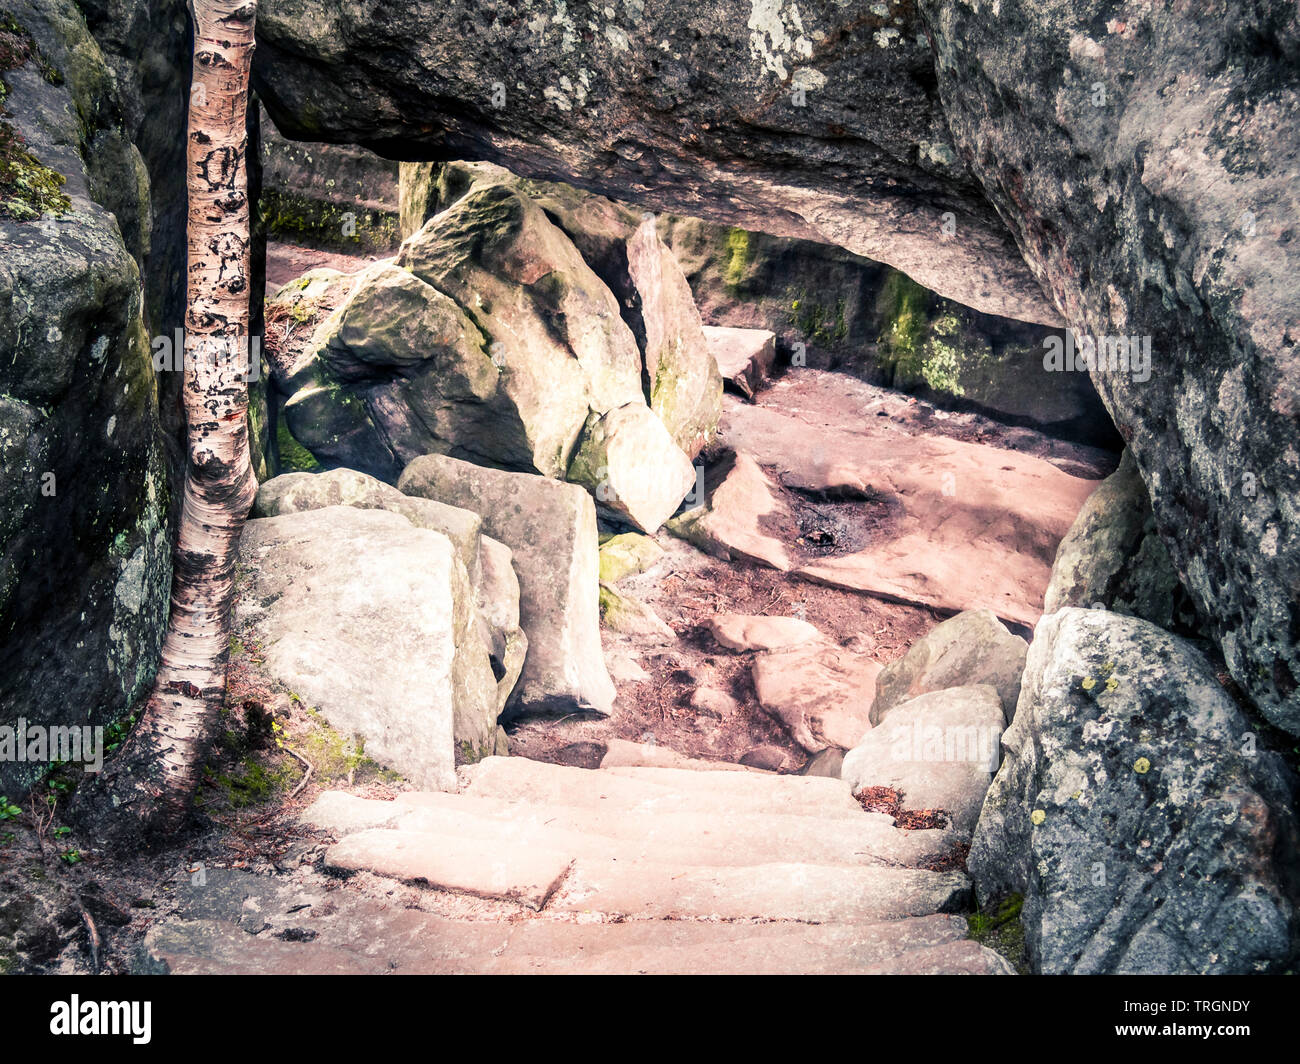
x=149, y=785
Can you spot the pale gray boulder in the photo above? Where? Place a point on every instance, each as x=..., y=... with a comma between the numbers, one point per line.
x=551, y=528
x=628, y=461
x=938, y=750
x=372, y=621
x=973, y=647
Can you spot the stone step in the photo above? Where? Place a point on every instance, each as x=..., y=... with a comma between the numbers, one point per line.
x=523, y=870
x=660, y=790
x=793, y=891
x=950, y=958
x=735, y=838
x=522, y=873
x=408, y=942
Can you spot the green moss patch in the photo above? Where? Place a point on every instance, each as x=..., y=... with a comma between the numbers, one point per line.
x=999, y=929
x=294, y=457
x=739, y=257
x=322, y=224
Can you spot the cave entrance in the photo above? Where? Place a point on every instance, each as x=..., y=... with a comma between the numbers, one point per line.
x=884, y=459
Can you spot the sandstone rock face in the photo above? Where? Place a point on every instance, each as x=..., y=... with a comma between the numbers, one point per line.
x=736, y=518
x=1150, y=177
x=685, y=386
x=821, y=694
x=328, y=195
x=551, y=528
x=85, y=553
x=498, y=610
x=1146, y=827
x=938, y=750
x=1113, y=558
x=972, y=648
x=373, y=620
x=818, y=121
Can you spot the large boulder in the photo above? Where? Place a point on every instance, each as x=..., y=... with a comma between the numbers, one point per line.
x=817, y=120
x=744, y=356
x=418, y=372
x=499, y=619
x=328, y=195
x=625, y=251
x=373, y=621
x=973, y=647
x=629, y=462
x=1112, y=557
x=1150, y=174
x=292, y=493
x=685, y=385
x=487, y=562
x=551, y=528
x=564, y=349
x=1137, y=810
x=938, y=751
x=85, y=548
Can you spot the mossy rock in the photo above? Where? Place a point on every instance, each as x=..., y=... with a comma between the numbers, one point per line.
x=626, y=554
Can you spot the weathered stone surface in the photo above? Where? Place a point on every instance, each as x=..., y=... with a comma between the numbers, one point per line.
x=85, y=553
x=690, y=110
x=626, y=252
x=828, y=763
x=488, y=563
x=565, y=351
x=292, y=493
x=627, y=459
x=1134, y=810
x=972, y=648
x=950, y=958
x=963, y=525
x=328, y=195
x=499, y=620
x=1112, y=557
x=627, y=554
x=630, y=616
x=830, y=309
x=1150, y=177
x=372, y=620
x=551, y=528
x=744, y=356
x=736, y=518
x=938, y=751
x=685, y=385
x=814, y=893
x=737, y=631
x=821, y=694
x=621, y=752
x=521, y=873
